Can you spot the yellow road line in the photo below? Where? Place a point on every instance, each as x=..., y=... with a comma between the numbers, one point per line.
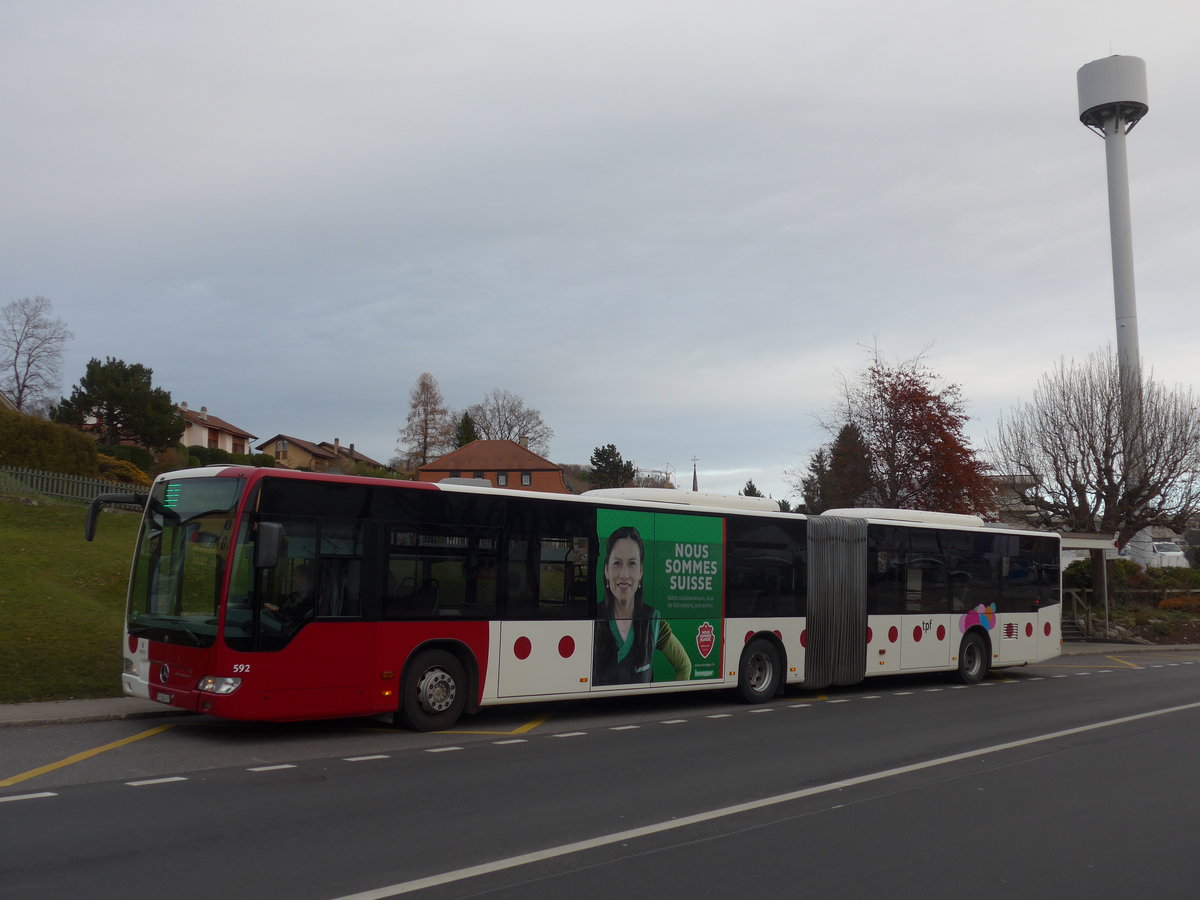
x=79, y=757
x=1123, y=662
x=524, y=729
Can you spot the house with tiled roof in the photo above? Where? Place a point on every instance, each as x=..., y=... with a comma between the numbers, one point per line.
x=6, y=403
x=347, y=452
x=202, y=429
x=503, y=463
x=295, y=453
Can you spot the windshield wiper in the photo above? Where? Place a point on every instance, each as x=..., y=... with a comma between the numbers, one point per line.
x=181, y=621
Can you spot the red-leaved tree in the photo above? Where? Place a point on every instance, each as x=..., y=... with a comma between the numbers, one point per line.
x=916, y=453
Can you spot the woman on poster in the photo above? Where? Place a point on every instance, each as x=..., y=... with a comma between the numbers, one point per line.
x=628, y=631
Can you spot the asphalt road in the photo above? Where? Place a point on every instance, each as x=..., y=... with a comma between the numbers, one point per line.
x=1069, y=779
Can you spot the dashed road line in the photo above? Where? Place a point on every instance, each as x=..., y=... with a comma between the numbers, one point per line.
x=524, y=729
x=148, y=781
x=36, y=796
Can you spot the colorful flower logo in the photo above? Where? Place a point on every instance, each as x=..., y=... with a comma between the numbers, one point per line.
x=980, y=615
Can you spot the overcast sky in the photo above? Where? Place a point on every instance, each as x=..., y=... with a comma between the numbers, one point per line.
x=666, y=225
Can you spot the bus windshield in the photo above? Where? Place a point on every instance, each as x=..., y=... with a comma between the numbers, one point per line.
x=175, y=591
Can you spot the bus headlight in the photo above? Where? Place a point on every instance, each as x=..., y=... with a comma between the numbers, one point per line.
x=218, y=684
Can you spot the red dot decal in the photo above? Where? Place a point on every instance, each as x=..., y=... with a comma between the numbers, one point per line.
x=779, y=634
x=746, y=639
x=804, y=638
x=1028, y=629
x=522, y=648
x=917, y=633
x=870, y=634
x=893, y=634
x=941, y=632
x=133, y=642
x=566, y=647
x=1047, y=629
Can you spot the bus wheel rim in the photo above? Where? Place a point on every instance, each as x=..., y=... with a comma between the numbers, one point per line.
x=760, y=672
x=436, y=690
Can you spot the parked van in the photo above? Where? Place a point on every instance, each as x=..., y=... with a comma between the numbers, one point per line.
x=1155, y=554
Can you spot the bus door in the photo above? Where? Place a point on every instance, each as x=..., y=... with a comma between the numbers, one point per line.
x=546, y=630
x=925, y=637
x=303, y=621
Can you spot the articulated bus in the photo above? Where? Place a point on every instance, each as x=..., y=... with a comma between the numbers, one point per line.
x=274, y=595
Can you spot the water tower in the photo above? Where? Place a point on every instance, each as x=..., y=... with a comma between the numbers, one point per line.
x=1112, y=99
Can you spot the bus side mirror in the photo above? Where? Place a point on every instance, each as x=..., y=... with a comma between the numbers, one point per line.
x=267, y=545
x=93, y=513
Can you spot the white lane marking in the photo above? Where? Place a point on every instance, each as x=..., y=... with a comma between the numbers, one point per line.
x=761, y=709
x=442, y=749
x=720, y=716
x=511, y=741
x=27, y=796
x=569, y=734
x=364, y=758
x=624, y=727
x=673, y=722
x=155, y=781
x=271, y=768
x=605, y=840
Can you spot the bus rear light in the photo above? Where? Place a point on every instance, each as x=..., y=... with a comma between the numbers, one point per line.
x=218, y=684
x=130, y=667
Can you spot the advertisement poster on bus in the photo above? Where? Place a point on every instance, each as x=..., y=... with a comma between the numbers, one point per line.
x=660, y=597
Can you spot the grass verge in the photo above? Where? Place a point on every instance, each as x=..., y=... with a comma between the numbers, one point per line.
x=62, y=600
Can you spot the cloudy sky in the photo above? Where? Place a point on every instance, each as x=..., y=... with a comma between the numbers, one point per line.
x=665, y=225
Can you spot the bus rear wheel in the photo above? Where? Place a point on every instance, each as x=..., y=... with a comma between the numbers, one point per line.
x=972, y=659
x=759, y=672
x=434, y=691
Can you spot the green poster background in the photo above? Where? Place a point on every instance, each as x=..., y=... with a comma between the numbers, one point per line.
x=683, y=579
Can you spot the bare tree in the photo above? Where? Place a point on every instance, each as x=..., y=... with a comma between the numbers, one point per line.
x=1069, y=442
x=31, y=352
x=504, y=416
x=428, y=432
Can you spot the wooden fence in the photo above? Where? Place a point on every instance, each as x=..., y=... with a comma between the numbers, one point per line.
x=56, y=484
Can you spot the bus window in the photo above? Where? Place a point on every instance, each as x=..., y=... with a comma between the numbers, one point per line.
x=767, y=568
x=548, y=561
x=886, y=550
x=440, y=575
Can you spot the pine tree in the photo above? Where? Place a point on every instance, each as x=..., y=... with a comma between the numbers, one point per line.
x=609, y=470
x=117, y=401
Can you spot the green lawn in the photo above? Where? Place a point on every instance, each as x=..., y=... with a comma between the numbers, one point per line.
x=62, y=599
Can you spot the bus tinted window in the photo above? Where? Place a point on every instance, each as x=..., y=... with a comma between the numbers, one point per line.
x=282, y=496
x=448, y=572
x=548, y=571
x=887, y=548
x=767, y=567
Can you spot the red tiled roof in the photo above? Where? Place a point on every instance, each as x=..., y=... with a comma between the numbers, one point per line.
x=482, y=456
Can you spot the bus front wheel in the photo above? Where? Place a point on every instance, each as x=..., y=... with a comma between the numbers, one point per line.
x=972, y=659
x=434, y=691
x=759, y=673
